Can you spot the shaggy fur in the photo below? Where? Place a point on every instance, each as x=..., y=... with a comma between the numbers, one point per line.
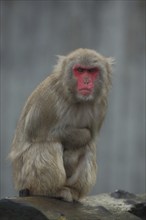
x=54, y=148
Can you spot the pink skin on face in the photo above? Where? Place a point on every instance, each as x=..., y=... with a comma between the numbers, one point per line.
x=86, y=77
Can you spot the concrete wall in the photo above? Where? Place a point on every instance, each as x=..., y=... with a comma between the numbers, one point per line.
x=34, y=32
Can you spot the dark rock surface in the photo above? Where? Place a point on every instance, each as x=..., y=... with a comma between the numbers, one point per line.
x=10, y=209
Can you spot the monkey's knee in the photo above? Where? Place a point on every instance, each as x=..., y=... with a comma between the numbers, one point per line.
x=43, y=178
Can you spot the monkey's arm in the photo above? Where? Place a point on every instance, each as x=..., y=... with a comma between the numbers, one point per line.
x=75, y=137
x=72, y=137
x=41, y=125
x=38, y=128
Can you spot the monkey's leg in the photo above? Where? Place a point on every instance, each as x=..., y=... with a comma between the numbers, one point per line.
x=40, y=169
x=84, y=178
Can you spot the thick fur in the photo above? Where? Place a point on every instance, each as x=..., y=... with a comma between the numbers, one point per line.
x=54, y=148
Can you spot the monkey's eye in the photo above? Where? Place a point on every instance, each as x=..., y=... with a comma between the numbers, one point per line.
x=93, y=70
x=80, y=69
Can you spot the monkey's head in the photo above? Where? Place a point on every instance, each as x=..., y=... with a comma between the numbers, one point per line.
x=85, y=74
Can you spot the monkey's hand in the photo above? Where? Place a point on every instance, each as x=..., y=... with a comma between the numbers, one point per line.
x=73, y=138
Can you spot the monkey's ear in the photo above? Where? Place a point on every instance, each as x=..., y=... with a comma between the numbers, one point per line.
x=60, y=58
x=59, y=64
x=111, y=60
x=109, y=63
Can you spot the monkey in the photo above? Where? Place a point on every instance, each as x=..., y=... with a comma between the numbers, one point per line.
x=53, y=152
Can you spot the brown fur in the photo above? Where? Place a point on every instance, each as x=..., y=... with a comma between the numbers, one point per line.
x=54, y=148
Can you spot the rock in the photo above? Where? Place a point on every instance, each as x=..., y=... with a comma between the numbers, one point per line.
x=119, y=194
x=10, y=210
x=139, y=209
x=119, y=205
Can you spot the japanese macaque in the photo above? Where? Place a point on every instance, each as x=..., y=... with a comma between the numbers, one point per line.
x=54, y=148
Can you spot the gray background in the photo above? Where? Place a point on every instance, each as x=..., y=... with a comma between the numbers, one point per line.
x=34, y=32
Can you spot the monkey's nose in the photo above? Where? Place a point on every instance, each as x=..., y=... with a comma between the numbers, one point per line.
x=86, y=81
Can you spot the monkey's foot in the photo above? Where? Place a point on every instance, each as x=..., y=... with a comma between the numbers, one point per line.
x=64, y=194
x=24, y=192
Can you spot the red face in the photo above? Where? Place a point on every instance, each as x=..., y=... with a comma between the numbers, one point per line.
x=86, y=77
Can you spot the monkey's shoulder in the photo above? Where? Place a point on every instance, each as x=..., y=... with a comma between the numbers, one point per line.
x=43, y=95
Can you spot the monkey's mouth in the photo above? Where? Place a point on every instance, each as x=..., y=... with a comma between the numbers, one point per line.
x=85, y=91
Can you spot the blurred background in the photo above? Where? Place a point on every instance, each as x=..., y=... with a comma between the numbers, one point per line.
x=34, y=32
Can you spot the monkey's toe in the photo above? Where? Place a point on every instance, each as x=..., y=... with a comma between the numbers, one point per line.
x=24, y=192
x=64, y=194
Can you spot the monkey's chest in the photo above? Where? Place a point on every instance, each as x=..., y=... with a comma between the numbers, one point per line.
x=79, y=117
